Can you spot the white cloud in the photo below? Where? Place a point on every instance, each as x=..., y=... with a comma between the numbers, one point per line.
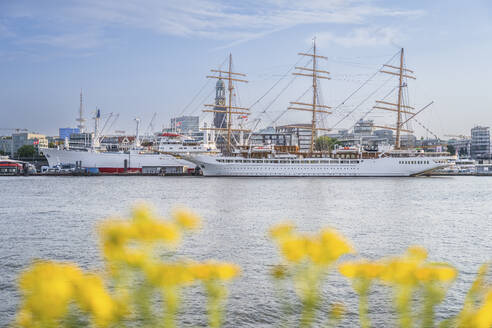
x=233, y=22
x=364, y=36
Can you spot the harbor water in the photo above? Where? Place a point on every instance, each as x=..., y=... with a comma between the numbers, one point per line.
x=56, y=218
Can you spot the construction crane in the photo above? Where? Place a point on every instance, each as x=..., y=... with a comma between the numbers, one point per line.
x=14, y=129
x=150, y=128
x=457, y=136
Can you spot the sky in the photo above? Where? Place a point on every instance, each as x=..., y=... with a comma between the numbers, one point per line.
x=134, y=58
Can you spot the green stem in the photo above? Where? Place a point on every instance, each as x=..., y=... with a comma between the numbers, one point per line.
x=171, y=300
x=215, y=294
x=362, y=287
x=403, y=306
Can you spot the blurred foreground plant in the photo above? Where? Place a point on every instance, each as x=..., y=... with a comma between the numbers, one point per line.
x=307, y=259
x=59, y=294
x=143, y=280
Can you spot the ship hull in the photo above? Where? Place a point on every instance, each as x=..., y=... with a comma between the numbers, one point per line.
x=378, y=167
x=112, y=162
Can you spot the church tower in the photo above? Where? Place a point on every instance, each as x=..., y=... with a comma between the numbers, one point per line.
x=220, y=118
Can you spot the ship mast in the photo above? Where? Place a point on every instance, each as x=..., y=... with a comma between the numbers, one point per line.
x=315, y=74
x=399, y=107
x=229, y=110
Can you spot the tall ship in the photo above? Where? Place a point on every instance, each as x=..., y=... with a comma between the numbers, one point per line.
x=270, y=160
x=162, y=152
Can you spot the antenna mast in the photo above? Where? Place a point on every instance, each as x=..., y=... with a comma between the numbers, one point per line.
x=315, y=105
x=81, y=119
x=229, y=110
x=399, y=107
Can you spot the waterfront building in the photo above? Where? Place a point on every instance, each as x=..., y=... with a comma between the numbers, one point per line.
x=301, y=134
x=125, y=143
x=270, y=136
x=6, y=145
x=55, y=140
x=186, y=124
x=81, y=140
x=462, y=146
x=386, y=135
x=30, y=139
x=480, y=142
x=408, y=141
x=430, y=144
x=66, y=132
x=363, y=128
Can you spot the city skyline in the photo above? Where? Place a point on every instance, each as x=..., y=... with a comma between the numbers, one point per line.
x=138, y=58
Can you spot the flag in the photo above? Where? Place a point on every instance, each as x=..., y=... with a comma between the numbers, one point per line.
x=36, y=142
x=178, y=123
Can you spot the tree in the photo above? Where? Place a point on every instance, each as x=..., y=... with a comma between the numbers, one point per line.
x=325, y=143
x=451, y=149
x=51, y=145
x=26, y=151
x=463, y=152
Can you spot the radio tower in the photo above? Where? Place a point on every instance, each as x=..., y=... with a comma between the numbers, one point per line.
x=81, y=119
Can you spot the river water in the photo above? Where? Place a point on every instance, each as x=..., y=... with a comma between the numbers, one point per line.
x=55, y=218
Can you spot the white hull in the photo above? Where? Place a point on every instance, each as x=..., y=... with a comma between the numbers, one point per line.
x=111, y=161
x=320, y=167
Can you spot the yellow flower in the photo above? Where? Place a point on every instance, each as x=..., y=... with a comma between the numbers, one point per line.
x=115, y=233
x=435, y=272
x=94, y=299
x=169, y=274
x=146, y=229
x=363, y=269
x=186, y=219
x=328, y=247
x=282, y=230
x=47, y=289
x=212, y=270
x=417, y=253
x=293, y=248
x=226, y=271
x=483, y=317
x=399, y=271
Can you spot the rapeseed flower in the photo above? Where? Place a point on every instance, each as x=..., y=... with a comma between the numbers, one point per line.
x=282, y=230
x=147, y=228
x=483, y=316
x=328, y=246
x=477, y=309
x=362, y=269
x=214, y=271
x=166, y=275
x=294, y=248
x=47, y=290
x=435, y=273
x=93, y=298
x=186, y=219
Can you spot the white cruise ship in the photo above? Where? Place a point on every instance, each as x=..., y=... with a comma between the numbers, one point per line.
x=343, y=162
x=389, y=165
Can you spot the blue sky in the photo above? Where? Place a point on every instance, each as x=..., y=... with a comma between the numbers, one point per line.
x=136, y=58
